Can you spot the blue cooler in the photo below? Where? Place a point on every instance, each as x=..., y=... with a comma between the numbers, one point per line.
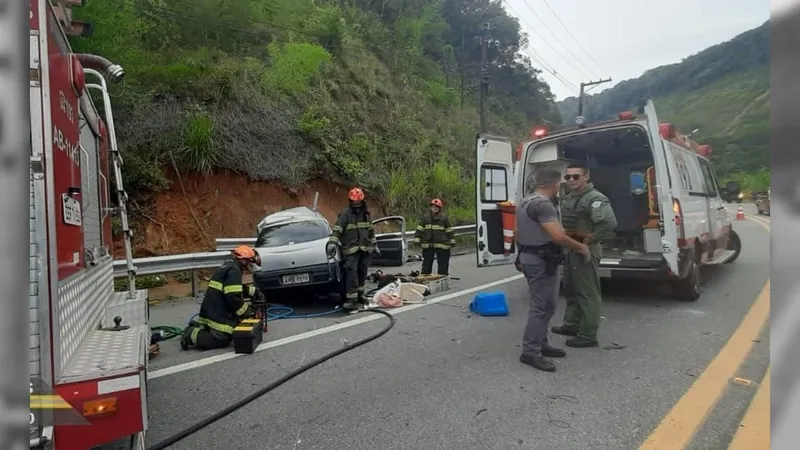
x=489, y=304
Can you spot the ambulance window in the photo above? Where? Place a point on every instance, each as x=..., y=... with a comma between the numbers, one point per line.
x=709, y=179
x=495, y=184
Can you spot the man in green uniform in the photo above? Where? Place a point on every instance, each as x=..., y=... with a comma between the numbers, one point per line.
x=587, y=217
x=355, y=235
x=435, y=235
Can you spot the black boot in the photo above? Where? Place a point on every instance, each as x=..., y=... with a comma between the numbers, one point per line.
x=538, y=362
x=186, y=338
x=582, y=342
x=564, y=330
x=552, y=352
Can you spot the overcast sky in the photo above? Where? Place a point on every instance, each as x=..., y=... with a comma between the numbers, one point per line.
x=621, y=39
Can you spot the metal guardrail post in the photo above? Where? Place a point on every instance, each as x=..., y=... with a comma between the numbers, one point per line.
x=195, y=284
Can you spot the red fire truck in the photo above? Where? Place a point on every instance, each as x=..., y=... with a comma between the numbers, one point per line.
x=88, y=344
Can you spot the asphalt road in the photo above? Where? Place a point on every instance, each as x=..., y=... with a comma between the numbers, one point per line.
x=445, y=379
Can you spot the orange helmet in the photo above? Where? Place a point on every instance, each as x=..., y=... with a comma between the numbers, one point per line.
x=356, y=195
x=437, y=202
x=246, y=254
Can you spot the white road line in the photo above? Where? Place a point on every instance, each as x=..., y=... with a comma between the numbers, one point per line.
x=320, y=331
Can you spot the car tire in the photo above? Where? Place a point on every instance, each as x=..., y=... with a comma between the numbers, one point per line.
x=735, y=244
x=688, y=288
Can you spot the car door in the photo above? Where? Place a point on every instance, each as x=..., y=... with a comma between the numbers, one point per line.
x=495, y=184
x=717, y=212
x=392, y=244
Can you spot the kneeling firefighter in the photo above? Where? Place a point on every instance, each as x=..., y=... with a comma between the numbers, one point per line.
x=224, y=304
x=355, y=236
x=435, y=235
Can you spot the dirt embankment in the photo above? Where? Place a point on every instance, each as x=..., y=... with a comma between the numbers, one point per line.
x=198, y=209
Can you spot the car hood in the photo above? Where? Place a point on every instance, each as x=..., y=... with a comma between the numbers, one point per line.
x=287, y=257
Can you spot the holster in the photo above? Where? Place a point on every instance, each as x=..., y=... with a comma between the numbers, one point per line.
x=550, y=253
x=577, y=236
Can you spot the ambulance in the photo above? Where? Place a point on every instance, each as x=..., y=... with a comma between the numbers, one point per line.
x=669, y=205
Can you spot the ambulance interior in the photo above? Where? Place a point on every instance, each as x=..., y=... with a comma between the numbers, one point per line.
x=620, y=164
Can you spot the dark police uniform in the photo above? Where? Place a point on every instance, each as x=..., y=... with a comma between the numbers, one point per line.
x=355, y=235
x=435, y=236
x=584, y=213
x=539, y=258
x=223, y=308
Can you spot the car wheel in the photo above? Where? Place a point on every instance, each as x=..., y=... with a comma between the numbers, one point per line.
x=688, y=289
x=735, y=244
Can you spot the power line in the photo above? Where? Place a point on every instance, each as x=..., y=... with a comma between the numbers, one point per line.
x=538, y=58
x=544, y=24
x=547, y=4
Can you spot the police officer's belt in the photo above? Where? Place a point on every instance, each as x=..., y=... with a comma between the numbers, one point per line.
x=550, y=252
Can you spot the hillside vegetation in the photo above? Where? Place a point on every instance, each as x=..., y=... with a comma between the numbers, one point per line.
x=376, y=93
x=722, y=91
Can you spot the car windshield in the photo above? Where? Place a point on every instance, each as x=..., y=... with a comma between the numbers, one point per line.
x=292, y=233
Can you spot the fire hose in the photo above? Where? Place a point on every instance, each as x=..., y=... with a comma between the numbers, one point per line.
x=266, y=389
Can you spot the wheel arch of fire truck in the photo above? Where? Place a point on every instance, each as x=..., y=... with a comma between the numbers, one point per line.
x=79, y=347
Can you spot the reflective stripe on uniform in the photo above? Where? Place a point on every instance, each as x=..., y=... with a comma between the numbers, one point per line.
x=242, y=310
x=351, y=250
x=221, y=327
x=233, y=289
x=215, y=285
x=442, y=246
x=352, y=295
x=354, y=226
x=193, y=335
x=435, y=227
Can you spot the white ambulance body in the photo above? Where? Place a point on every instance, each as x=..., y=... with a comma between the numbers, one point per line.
x=671, y=215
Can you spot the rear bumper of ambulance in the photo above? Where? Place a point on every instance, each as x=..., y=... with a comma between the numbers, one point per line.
x=635, y=268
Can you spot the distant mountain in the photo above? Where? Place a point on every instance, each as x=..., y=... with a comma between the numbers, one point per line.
x=723, y=91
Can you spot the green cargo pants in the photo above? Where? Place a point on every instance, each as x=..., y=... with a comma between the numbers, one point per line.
x=582, y=291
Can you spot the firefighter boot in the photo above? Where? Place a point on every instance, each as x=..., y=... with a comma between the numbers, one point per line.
x=186, y=339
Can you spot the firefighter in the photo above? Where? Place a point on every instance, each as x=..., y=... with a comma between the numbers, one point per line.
x=224, y=304
x=354, y=235
x=435, y=235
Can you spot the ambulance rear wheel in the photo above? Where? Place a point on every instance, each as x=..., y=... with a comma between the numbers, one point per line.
x=688, y=289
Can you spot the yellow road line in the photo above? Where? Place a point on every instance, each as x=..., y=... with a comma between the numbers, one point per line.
x=679, y=426
x=753, y=432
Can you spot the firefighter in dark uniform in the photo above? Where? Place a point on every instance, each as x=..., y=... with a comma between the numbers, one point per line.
x=224, y=304
x=355, y=236
x=435, y=235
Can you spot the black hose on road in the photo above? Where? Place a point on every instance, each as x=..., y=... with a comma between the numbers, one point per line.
x=215, y=417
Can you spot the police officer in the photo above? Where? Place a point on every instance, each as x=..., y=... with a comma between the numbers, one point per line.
x=355, y=236
x=586, y=216
x=224, y=304
x=540, y=239
x=435, y=235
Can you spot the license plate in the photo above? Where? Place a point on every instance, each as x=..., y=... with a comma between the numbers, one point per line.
x=296, y=279
x=71, y=210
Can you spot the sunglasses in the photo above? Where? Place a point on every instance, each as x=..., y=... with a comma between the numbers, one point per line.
x=572, y=177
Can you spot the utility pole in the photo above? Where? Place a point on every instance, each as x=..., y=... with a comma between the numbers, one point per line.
x=484, y=76
x=583, y=87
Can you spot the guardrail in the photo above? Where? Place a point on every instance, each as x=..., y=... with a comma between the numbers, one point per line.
x=208, y=260
x=228, y=244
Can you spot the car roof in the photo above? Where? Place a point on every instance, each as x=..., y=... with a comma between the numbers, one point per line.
x=297, y=214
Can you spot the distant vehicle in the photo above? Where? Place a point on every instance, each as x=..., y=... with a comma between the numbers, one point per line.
x=671, y=215
x=297, y=255
x=762, y=202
